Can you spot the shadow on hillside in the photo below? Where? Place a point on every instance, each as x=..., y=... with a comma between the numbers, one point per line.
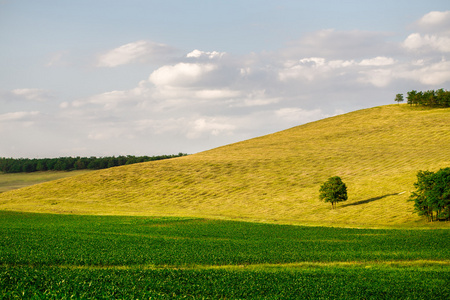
x=369, y=200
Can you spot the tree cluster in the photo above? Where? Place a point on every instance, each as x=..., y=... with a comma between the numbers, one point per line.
x=431, y=98
x=12, y=165
x=432, y=195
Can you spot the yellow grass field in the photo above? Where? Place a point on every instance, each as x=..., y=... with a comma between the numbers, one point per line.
x=274, y=178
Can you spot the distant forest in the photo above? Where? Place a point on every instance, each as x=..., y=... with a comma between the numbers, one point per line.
x=439, y=98
x=18, y=165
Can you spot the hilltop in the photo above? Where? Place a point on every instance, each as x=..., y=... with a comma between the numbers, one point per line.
x=274, y=178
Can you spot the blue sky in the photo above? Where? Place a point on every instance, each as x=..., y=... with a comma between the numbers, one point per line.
x=98, y=77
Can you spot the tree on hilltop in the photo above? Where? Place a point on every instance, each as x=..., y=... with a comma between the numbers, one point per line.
x=399, y=98
x=333, y=190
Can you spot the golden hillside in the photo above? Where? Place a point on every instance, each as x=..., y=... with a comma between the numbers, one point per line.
x=275, y=178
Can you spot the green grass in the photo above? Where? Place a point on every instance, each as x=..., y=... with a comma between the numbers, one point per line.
x=48, y=240
x=15, y=181
x=275, y=178
x=103, y=257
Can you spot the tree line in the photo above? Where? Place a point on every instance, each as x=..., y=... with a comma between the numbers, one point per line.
x=18, y=165
x=431, y=98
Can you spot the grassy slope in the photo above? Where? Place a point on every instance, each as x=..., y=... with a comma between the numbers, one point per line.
x=274, y=178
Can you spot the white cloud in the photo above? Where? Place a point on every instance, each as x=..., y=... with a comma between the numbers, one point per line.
x=210, y=55
x=140, y=51
x=435, y=20
x=312, y=68
x=418, y=42
x=217, y=94
x=313, y=61
x=433, y=34
x=433, y=74
x=181, y=74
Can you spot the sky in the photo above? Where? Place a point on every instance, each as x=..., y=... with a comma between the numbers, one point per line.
x=134, y=77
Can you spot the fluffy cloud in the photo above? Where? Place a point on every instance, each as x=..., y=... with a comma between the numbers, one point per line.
x=140, y=51
x=431, y=74
x=311, y=68
x=436, y=21
x=203, y=54
x=433, y=34
x=181, y=74
x=427, y=42
x=375, y=70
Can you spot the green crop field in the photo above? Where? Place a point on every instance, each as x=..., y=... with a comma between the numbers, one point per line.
x=68, y=256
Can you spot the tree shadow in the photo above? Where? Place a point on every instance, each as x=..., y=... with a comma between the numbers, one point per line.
x=369, y=200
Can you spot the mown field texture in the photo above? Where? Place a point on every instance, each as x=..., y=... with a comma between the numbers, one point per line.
x=103, y=257
x=275, y=178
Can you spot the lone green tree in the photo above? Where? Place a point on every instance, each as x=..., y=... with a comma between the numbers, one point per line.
x=399, y=98
x=333, y=190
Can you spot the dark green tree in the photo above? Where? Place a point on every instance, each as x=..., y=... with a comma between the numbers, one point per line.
x=421, y=204
x=333, y=190
x=432, y=195
x=412, y=97
x=399, y=98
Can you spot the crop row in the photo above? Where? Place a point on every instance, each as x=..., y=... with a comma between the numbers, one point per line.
x=320, y=283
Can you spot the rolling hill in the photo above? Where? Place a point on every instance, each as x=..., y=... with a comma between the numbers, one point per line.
x=274, y=178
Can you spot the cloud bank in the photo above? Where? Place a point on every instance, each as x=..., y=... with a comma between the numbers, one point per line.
x=204, y=99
